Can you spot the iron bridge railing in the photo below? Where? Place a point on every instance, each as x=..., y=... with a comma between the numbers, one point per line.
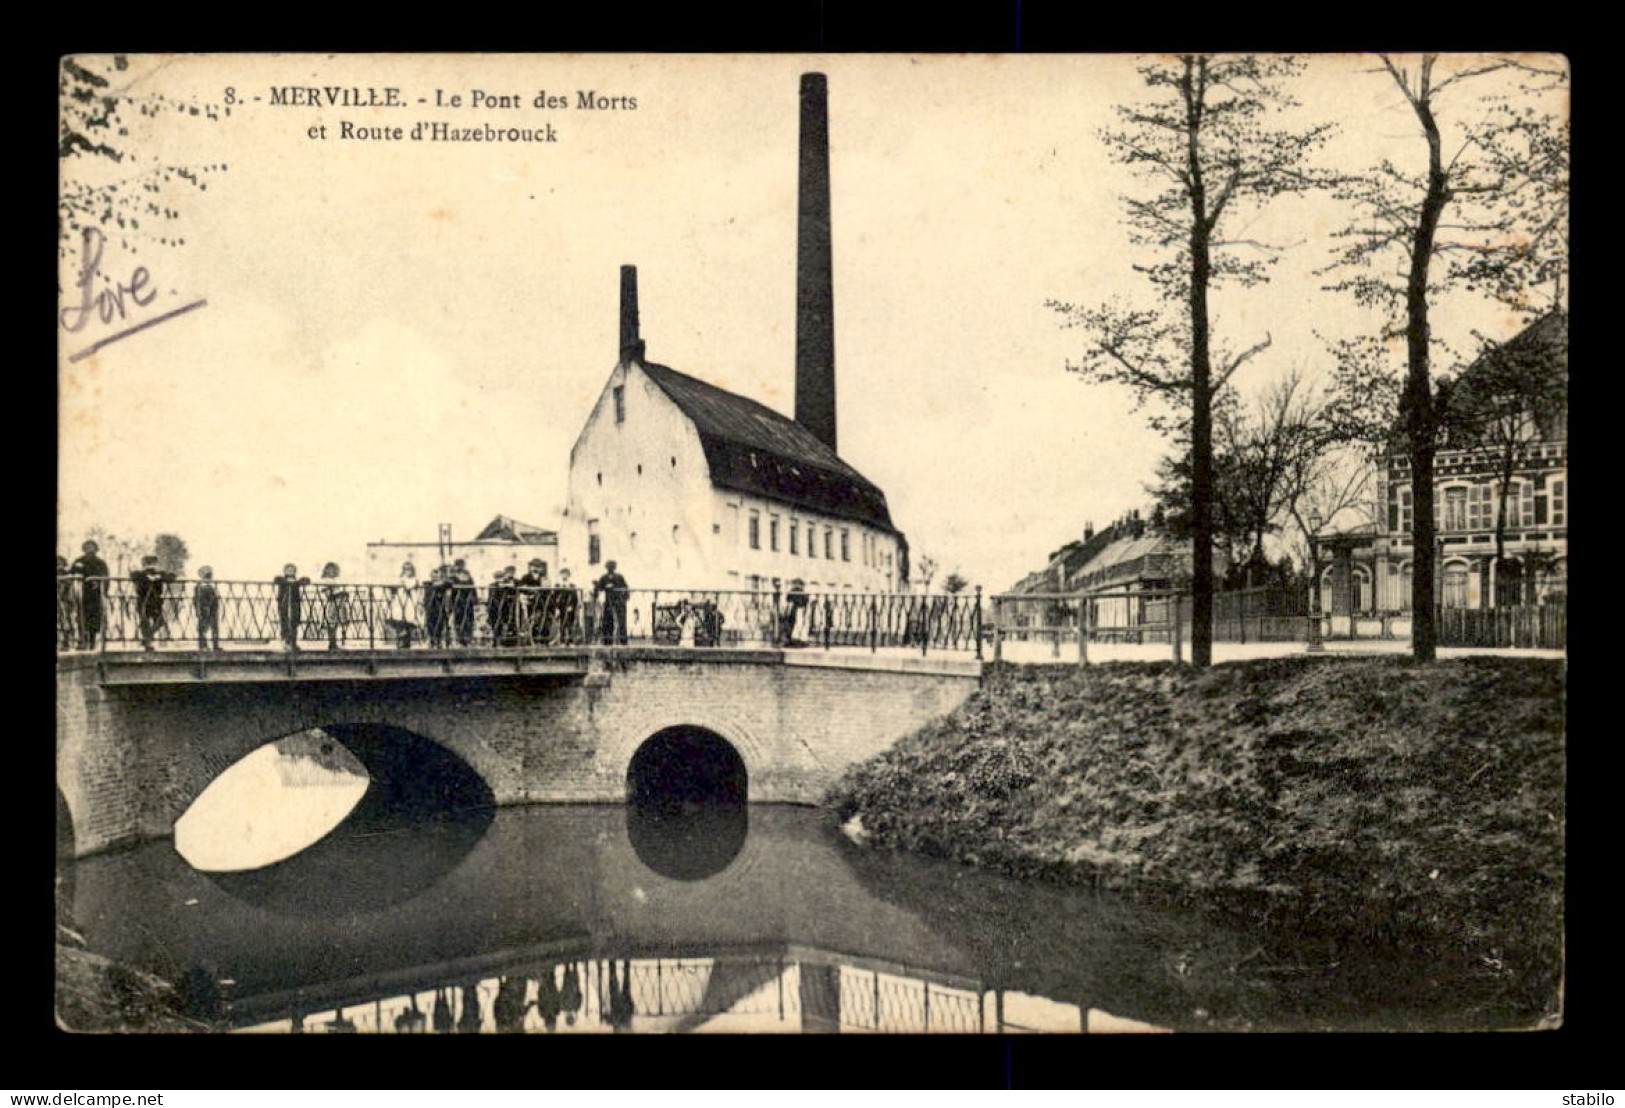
x=114, y=614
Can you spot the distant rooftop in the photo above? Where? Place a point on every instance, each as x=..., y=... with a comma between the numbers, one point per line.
x=508, y=529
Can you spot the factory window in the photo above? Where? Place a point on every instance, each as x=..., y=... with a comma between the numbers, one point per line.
x=600, y=479
x=812, y=541
x=829, y=543
x=640, y=469
x=773, y=534
x=594, y=549
x=620, y=404
x=846, y=546
x=795, y=537
x=755, y=530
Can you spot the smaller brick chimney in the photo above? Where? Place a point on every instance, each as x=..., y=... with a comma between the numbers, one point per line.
x=631, y=344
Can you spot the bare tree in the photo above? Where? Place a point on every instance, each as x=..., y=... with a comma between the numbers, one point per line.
x=1276, y=449
x=1206, y=145
x=1270, y=458
x=925, y=568
x=1493, y=206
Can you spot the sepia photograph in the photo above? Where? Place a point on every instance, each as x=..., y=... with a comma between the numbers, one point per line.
x=811, y=543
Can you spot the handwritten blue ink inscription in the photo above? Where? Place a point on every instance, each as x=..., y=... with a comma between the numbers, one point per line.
x=120, y=303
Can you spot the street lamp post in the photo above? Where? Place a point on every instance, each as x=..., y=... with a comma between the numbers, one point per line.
x=1316, y=646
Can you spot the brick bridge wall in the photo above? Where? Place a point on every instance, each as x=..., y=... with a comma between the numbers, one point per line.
x=132, y=758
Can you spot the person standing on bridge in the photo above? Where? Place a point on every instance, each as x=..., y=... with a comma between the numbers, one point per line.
x=567, y=610
x=335, y=605
x=793, y=616
x=463, y=598
x=206, y=606
x=67, y=607
x=502, y=608
x=615, y=590
x=92, y=571
x=402, y=620
x=149, y=583
x=436, y=607
x=290, y=603
x=535, y=605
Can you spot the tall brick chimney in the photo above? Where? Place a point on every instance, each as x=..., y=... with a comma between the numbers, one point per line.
x=815, y=294
x=631, y=344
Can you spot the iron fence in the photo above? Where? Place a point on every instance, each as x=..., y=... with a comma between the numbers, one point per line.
x=1534, y=626
x=1151, y=616
x=296, y=614
x=1265, y=613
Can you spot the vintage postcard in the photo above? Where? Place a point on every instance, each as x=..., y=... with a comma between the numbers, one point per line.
x=844, y=543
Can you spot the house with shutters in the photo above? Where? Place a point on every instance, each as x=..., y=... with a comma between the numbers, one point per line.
x=1501, y=492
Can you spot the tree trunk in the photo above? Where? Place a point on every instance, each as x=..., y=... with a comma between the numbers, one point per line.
x=1201, y=387
x=1417, y=401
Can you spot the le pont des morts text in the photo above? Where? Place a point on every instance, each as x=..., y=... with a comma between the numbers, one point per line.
x=367, y=96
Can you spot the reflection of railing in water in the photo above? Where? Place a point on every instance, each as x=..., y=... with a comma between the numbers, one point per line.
x=794, y=990
x=116, y=614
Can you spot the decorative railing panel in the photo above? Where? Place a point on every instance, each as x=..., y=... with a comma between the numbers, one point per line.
x=118, y=614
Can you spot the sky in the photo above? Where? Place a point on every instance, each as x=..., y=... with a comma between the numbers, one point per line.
x=398, y=334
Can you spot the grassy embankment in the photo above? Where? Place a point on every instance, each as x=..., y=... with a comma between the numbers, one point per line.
x=1369, y=802
x=94, y=994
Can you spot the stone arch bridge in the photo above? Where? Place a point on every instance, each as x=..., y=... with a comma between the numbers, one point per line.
x=139, y=736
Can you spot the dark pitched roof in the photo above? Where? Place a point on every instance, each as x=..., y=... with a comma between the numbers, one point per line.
x=1541, y=348
x=751, y=448
x=506, y=529
x=1529, y=370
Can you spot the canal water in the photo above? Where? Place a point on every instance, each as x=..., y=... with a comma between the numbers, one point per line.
x=426, y=910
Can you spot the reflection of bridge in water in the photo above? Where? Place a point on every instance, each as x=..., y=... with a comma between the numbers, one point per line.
x=571, y=988
x=785, y=936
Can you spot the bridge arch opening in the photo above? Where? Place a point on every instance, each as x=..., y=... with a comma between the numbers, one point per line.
x=686, y=814
x=686, y=769
x=319, y=792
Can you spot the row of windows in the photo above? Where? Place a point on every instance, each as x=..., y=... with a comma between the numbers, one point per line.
x=1474, y=507
x=760, y=583
x=1455, y=586
x=755, y=537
